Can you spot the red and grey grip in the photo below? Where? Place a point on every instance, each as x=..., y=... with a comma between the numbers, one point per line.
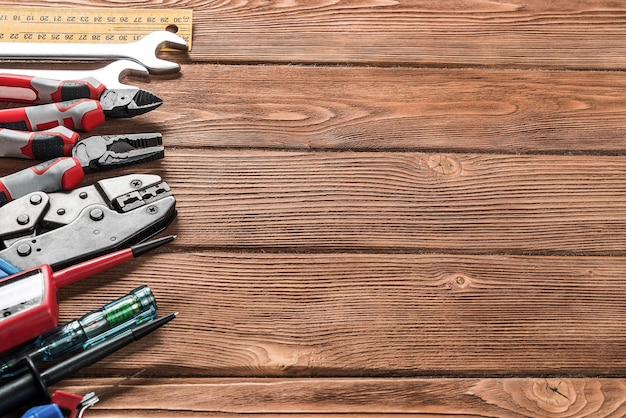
x=38, y=90
x=63, y=173
x=82, y=115
x=44, y=145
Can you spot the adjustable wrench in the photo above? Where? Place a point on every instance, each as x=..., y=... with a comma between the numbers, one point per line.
x=143, y=51
x=109, y=75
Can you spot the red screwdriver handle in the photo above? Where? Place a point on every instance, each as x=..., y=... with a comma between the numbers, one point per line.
x=38, y=90
x=63, y=173
x=44, y=145
x=82, y=115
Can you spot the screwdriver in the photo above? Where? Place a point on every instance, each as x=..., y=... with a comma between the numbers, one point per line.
x=28, y=299
x=112, y=319
x=33, y=386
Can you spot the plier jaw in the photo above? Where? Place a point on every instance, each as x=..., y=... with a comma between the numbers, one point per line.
x=107, y=152
x=126, y=103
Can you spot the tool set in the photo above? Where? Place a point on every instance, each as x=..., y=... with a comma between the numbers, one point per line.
x=54, y=233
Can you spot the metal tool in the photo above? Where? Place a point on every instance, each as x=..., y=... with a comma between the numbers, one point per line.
x=144, y=51
x=128, y=102
x=96, y=153
x=33, y=386
x=28, y=299
x=64, y=228
x=110, y=75
x=91, y=329
x=79, y=104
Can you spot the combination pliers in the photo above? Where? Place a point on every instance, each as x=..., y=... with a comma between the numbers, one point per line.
x=80, y=104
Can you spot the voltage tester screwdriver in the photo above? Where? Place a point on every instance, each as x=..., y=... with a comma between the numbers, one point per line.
x=28, y=299
x=93, y=328
x=32, y=386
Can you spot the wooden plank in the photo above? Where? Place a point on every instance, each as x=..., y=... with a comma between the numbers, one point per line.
x=355, y=315
x=530, y=33
x=461, y=203
x=525, y=34
x=539, y=397
x=394, y=202
x=295, y=107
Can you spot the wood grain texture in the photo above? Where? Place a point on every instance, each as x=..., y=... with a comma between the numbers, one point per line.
x=343, y=108
x=396, y=202
x=461, y=203
x=540, y=397
x=562, y=34
x=370, y=315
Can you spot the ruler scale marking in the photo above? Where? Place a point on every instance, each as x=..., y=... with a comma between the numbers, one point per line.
x=92, y=25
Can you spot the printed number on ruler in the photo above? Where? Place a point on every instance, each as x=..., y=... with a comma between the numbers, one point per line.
x=41, y=24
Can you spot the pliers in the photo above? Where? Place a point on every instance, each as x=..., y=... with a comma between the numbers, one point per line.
x=79, y=104
x=95, y=153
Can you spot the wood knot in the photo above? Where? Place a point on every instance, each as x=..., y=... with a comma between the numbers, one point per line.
x=550, y=397
x=444, y=165
x=553, y=395
x=458, y=281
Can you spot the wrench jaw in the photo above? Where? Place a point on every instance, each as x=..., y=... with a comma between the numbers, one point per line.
x=146, y=49
x=111, y=74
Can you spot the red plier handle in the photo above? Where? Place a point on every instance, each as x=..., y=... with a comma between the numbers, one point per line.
x=64, y=173
x=39, y=90
x=43, y=145
x=82, y=115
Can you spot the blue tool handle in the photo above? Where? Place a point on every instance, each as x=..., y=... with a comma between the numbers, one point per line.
x=7, y=269
x=44, y=411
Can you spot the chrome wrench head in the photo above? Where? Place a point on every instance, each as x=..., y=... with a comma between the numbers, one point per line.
x=146, y=49
x=109, y=75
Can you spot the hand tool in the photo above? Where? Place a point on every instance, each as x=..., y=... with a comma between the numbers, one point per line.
x=91, y=329
x=28, y=299
x=33, y=386
x=80, y=104
x=64, y=228
x=144, y=51
x=96, y=153
x=110, y=75
x=38, y=90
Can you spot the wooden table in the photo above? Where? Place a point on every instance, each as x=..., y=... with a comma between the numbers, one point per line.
x=385, y=207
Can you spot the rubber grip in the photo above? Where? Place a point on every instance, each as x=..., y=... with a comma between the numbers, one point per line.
x=82, y=115
x=38, y=90
x=44, y=145
x=63, y=173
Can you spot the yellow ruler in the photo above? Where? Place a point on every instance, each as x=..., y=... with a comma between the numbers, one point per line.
x=91, y=25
